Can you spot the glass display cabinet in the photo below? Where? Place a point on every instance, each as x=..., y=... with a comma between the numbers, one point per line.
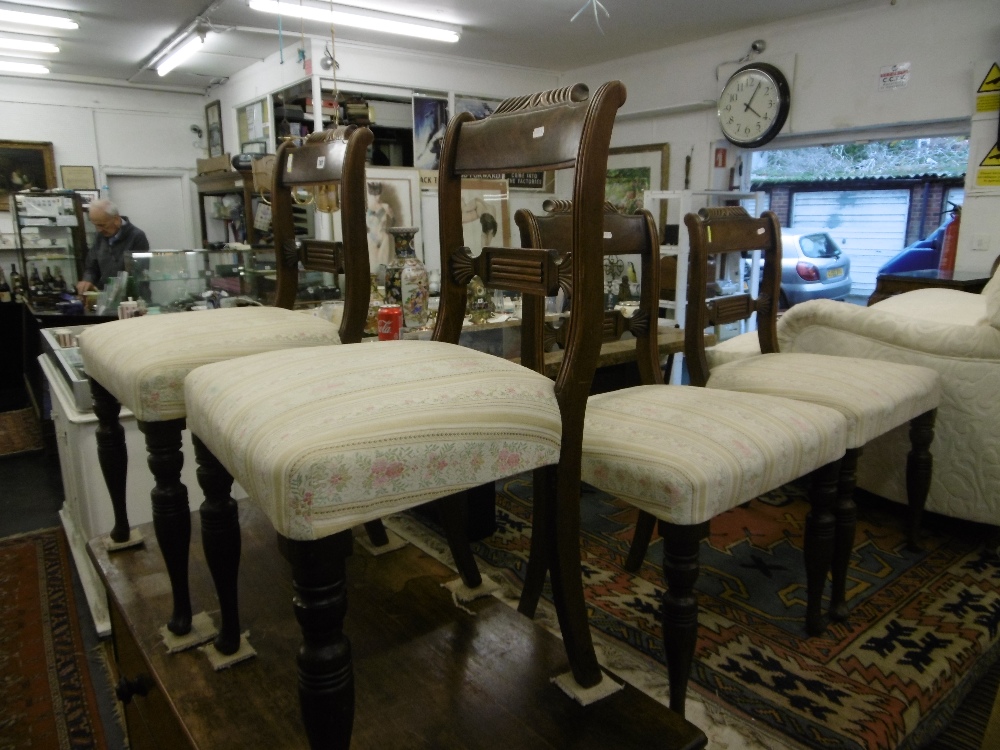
x=51, y=235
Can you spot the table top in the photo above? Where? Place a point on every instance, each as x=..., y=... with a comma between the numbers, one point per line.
x=933, y=274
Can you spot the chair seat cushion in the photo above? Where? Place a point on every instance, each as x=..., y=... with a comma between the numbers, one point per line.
x=328, y=437
x=143, y=361
x=874, y=396
x=686, y=454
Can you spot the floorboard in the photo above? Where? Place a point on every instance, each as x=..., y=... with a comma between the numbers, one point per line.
x=428, y=674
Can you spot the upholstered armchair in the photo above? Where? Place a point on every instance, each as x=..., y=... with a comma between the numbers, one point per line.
x=958, y=335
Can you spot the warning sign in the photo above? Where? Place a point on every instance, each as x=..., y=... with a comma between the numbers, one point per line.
x=988, y=174
x=894, y=77
x=991, y=82
x=988, y=93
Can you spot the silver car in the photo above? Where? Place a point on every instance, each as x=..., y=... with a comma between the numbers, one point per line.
x=812, y=267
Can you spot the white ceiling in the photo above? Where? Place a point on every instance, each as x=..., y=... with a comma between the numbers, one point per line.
x=117, y=39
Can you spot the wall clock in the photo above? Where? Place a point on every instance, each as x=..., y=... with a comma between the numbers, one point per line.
x=753, y=105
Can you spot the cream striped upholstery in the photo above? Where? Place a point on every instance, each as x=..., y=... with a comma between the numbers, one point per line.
x=991, y=293
x=874, y=396
x=686, y=455
x=328, y=437
x=143, y=361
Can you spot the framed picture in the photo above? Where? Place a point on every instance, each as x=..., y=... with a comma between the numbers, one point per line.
x=213, y=126
x=633, y=169
x=253, y=147
x=393, y=195
x=480, y=107
x=430, y=120
x=485, y=214
x=88, y=197
x=25, y=164
x=77, y=178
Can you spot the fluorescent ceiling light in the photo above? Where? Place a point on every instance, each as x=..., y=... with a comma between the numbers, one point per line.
x=23, y=45
x=362, y=19
x=35, y=19
x=179, y=55
x=15, y=67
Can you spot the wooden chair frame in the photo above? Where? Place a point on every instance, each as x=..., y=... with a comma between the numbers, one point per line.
x=330, y=156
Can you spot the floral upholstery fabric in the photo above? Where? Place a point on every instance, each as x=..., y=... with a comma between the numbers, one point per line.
x=967, y=430
x=874, y=397
x=326, y=438
x=686, y=454
x=143, y=361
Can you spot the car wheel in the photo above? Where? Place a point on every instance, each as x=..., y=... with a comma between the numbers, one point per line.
x=782, y=301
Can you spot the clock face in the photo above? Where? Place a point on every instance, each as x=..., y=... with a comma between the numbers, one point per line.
x=754, y=105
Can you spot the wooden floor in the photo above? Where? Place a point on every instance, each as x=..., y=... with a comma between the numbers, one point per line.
x=428, y=674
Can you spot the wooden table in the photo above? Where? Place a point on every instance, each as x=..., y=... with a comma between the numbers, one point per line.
x=891, y=284
x=428, y=675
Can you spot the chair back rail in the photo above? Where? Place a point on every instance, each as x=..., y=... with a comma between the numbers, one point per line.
x=622, y=235
x=551, y=130
x=337, y=157
x=728, y=229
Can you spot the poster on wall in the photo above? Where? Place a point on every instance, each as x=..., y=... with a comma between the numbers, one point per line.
x=393, y=195
x=485, y=214
x=430, y=120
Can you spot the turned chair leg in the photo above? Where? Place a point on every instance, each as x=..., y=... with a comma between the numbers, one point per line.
x=326, y=673
x=563, y=532
x=640, y=541
x=220, y=538
x=818, y=543
x=171, y=514
x=679, y=611
x=112, y=454
x=846, y=518
x=538, y=560
x=919, y=464
x=376, y=533
x=453, y=512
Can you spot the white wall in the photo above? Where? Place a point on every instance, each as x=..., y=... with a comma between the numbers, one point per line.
x=831, y=60
x=109, y=128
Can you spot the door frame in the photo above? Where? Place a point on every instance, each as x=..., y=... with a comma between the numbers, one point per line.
x=187, y=194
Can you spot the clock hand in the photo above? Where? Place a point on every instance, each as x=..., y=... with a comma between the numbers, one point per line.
x=750, y=100
x=748, y=107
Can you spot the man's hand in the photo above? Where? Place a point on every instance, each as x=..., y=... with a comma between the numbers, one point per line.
x=83, y=286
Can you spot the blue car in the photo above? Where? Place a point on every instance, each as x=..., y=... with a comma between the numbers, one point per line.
x=921, y=255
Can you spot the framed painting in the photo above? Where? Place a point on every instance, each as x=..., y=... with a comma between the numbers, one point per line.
x=393, y=195
x=430, y=120
x=213, y=126
x=485, y=214
x=25, y=164
x=633, y=169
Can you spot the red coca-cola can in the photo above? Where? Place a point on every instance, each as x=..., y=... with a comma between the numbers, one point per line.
x=390, y=320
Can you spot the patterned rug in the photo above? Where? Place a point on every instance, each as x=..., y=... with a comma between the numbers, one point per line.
x=46, y=693
x=19, y=432
x=924, y=626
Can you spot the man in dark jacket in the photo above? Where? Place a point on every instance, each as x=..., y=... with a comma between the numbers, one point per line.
x=115, y=237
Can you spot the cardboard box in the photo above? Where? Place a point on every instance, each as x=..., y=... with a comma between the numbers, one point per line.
x=214, y=164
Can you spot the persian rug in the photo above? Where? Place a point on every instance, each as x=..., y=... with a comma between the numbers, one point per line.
x=46, y=692
x=19, y=432
x=924, y=626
